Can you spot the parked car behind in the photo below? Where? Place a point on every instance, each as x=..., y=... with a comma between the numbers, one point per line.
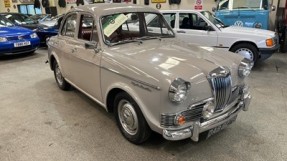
x=201, y=27
x=150, y=80
x=25, y=21
x=40, y=17
x=16, y=40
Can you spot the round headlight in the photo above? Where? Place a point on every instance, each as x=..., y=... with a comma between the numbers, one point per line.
x=178, y=90
x=258, y=25
x=245, y=67
x=208, y=110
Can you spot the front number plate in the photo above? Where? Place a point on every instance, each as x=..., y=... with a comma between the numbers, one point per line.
x=220, y=127
x=20, y=44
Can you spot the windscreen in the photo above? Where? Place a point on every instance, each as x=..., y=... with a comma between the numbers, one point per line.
x=242, y=4
x=5, y=22
x=130, y=27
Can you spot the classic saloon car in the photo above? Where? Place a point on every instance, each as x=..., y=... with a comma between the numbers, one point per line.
x=151, y=81
x=201, y=27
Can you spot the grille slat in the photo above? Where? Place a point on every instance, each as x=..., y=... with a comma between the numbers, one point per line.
x=222, y=91
x=220, y=80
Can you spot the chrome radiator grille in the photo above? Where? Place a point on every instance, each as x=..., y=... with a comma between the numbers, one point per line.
x=220, y=80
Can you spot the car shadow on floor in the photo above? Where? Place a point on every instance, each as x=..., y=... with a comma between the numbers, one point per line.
x=21, y=57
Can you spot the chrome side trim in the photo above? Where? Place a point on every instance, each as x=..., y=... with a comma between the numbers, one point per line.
x=90, y=96
x=136, y=80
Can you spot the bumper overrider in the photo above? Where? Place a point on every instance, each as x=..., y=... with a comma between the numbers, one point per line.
x=197, y=127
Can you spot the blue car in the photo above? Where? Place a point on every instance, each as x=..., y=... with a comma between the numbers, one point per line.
x=43, y=31
x=16, y=40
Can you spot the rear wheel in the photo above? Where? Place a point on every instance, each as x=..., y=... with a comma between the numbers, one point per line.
x=61, y=82
x=247, y=50
x=130, y=119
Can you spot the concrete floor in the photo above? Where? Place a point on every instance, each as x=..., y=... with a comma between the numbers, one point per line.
x=40, y=122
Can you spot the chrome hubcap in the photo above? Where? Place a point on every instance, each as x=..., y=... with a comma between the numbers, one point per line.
x=247, y=53
x=59, y=76
x=128, y=117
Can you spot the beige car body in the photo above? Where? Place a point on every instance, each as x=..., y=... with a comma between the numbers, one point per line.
x=145, y=71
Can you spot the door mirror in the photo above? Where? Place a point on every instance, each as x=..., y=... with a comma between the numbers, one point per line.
x=213, y=9
x=208, y=28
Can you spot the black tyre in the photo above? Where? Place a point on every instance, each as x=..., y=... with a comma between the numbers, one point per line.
x=61, y=82
x=130, y=119
x=247, y=50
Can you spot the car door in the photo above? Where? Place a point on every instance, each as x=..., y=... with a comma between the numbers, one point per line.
x=193, y=28
x=85, y=61
x=65, y=45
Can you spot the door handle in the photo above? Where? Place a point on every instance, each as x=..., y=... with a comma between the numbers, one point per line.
x=180, y=31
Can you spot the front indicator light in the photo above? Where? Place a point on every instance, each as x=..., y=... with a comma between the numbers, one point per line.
x=179, y=120
x=269, y=42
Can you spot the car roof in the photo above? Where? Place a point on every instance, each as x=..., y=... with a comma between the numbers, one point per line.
x=182, y=10
x=112, y=8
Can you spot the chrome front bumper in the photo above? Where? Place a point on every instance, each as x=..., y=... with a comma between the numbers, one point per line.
x=196, y=128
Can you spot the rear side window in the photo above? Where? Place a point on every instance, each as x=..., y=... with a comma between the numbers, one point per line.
x=70, y=26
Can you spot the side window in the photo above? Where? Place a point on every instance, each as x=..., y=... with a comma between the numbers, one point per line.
x=154, y=22
x=184, y=21
x=157, y=25
x=170, y=18
x=87, y=28
x=192, y=21
x=69, y=26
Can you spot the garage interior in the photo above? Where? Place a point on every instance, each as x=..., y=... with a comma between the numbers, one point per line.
x=38, y=121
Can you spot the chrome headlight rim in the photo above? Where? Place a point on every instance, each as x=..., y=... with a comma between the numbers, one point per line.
x=178, y=90
x=244, y=68
x=3, y=39
x=258, y=25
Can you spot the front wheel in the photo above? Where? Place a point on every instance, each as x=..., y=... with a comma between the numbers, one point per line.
x=61, y=82
x=130, y=119
x=247, y=50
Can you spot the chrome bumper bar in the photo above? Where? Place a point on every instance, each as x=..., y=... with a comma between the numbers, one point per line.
x=196, y=128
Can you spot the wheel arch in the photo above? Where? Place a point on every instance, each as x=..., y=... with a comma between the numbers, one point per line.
x=116, y=88
x=243, y=41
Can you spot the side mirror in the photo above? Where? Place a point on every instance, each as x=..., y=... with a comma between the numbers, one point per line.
x=273, y=8
x=208, y=28
x=213, y=9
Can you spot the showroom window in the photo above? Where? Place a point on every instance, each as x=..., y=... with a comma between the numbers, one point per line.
x=87, y=29
x=70, y=26
x=28, y=9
